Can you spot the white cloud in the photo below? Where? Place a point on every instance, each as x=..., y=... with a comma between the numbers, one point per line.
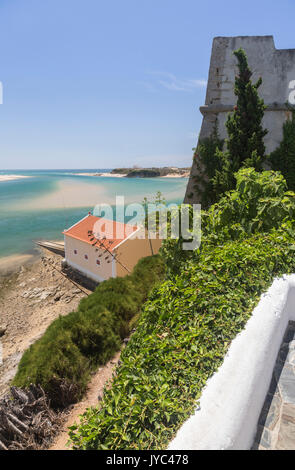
x=171, y=82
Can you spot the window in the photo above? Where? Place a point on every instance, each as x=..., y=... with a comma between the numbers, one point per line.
x=86, y=256
x=75, y=252
x=98, y=262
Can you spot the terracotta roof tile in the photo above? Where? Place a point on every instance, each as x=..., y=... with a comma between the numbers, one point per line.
x=100, y=232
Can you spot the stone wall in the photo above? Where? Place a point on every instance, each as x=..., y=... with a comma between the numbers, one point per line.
x=277, y=69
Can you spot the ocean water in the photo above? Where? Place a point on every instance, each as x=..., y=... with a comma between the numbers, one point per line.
x=45, y=203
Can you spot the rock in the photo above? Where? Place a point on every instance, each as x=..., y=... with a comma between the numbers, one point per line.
x=126, y=340
x=22, y=284
x=44, y=295
x=2, y=330
x=75, y=291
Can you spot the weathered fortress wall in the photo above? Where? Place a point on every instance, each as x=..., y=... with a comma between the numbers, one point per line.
x=275, y=66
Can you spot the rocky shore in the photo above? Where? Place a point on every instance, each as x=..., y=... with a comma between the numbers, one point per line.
x=30, y=299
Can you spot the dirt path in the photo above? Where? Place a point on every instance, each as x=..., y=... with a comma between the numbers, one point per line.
x=95, y=389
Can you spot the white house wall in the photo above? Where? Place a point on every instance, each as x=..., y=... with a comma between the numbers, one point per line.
x=87, y=266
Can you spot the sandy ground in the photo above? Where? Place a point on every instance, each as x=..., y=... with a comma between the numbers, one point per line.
x=69, y=194
x=11, y=264
x=173, y=175
x=12, y=177
x=30, y=299
x=95, y=390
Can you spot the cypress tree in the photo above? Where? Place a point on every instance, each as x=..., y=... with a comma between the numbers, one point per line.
x=244, y=145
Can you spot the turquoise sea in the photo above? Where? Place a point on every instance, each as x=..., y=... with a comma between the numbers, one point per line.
x=44, y=203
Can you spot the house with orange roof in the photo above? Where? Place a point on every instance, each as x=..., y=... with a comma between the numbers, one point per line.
x=99, y=248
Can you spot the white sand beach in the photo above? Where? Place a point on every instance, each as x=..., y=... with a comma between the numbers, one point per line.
x=113, y=175
x=12, y=177
x=173, y=175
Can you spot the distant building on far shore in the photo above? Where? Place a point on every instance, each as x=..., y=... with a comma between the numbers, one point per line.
x=100, y=248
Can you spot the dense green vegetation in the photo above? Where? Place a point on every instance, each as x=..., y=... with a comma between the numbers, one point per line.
x=283, y=158
x=259, y=203
x=73, y=345
x=149, y=172
x=207, y=163
x=191, y=318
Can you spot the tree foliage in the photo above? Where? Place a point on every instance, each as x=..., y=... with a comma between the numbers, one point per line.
x=207, y=163
x=283, y=158
x=244, y=145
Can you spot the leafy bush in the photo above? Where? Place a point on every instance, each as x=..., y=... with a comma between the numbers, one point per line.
x=75, y=344
x=182, y=337
x=259, y=203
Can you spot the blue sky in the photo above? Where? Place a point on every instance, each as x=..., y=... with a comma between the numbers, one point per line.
x=100, y=84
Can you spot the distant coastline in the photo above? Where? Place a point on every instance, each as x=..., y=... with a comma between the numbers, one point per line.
x=165, y=172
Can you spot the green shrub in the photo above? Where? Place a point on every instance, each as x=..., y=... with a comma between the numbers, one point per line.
x=67, y=352
x=259, y=203
x=73, y=345
x=182, y=337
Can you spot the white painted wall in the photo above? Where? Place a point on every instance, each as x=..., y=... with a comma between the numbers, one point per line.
x=232, y=400
x=88, y=267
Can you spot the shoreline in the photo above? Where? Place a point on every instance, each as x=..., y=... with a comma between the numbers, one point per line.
x=11, y=264
x=12, y=177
